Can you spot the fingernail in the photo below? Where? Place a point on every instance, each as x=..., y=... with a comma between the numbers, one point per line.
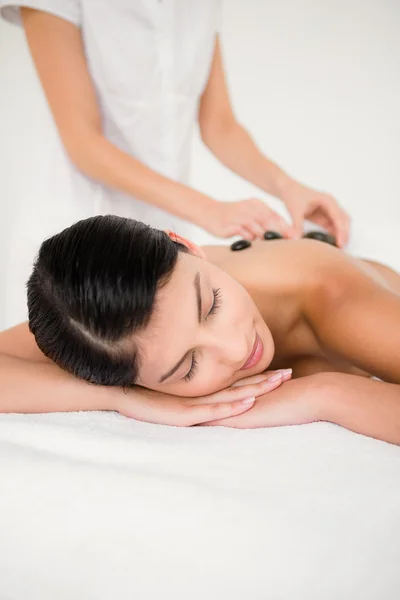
x=286, y=371
x=249, y=400
x=275, y=377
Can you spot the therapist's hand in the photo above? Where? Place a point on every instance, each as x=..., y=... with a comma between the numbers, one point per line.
x=155, y=407
x=305, y=203
x=247, y=218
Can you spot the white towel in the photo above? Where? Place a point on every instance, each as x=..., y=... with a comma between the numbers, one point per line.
x=95, y=506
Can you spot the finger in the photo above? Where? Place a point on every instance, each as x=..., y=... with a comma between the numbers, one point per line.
x=339, y=231
x=322, y=220
x=232, y=394
x=260, y=388
x=196, y=415
x=260, y=378
x=285, y=228
x=286, y=374
x=336, y=226
x=221, y=423
x=275, y=222
x=297, y=221
x=338, y=219
x=344, y=233
x=254, y=379
x=255, y=228
x=340, y=236
x=245, y=233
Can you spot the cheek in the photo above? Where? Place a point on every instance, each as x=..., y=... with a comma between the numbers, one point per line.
x=235, y=320
x=212, y=379
x=207, y=381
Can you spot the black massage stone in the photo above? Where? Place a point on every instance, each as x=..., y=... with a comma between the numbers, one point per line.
x=272, y=235
x=321, y=237
x=240, y=245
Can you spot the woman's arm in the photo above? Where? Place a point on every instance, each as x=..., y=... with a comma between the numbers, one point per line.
x=363, y=405
x=57, y=50
x=368, y=407
x=30, y=387
x=228, y=140
x=31, y=383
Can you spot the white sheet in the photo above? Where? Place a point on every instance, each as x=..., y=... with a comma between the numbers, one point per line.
x=96, y=506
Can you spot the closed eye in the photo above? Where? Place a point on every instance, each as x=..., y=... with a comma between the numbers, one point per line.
x=193, y=368
x=215, y=306
x=216, y=303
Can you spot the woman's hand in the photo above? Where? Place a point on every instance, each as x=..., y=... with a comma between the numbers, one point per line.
x=247, y=218
x=155, y=407
x=305, y=203
x=298, y=402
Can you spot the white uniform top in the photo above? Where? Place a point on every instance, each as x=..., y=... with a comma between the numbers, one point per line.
x=149, y=61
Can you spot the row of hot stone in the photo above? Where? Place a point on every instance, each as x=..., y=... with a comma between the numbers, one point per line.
x=274, y=235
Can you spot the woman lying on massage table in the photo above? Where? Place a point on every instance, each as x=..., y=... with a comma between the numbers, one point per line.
x=179, y=335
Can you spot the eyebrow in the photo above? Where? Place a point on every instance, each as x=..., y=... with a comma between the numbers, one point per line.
x=196, y=284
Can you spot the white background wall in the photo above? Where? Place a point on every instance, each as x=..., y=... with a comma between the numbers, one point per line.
x=317, y=84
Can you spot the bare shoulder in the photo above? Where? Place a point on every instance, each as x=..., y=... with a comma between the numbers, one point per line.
x=19, y=342
x=282, y=262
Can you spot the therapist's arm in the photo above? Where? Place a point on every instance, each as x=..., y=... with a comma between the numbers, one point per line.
x=234, y=147
x=58, y=53
x=57, y=50
x=229, y=141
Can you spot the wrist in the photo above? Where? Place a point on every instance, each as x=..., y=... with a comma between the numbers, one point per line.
x=283, y=184
x=324, y=396
x=364, y=406
x=108, y=398
x=340, y=397
x=120, y=399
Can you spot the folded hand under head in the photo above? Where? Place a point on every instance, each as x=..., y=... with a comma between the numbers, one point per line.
x=168, y=337
x=155, y=407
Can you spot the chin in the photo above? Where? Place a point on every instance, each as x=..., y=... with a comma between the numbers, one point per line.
x=269, y=349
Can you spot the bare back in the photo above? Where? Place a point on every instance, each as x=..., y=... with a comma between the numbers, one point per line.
x=277, y=276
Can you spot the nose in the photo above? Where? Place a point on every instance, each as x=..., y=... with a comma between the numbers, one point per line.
x=229, y=348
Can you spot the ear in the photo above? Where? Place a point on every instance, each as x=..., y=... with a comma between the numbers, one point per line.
x=191, y=246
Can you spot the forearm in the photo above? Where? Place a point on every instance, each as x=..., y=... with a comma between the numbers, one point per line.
x=30, y=387
x=359, y=404
x=234, y=147
x=102, y=161
x=58, y=51
x=363, y=405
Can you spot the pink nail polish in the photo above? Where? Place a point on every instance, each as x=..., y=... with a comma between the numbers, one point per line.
x=286, y=371
x=275, y=377
x=249, y=400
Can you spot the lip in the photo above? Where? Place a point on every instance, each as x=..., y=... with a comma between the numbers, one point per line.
x=255, y=355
